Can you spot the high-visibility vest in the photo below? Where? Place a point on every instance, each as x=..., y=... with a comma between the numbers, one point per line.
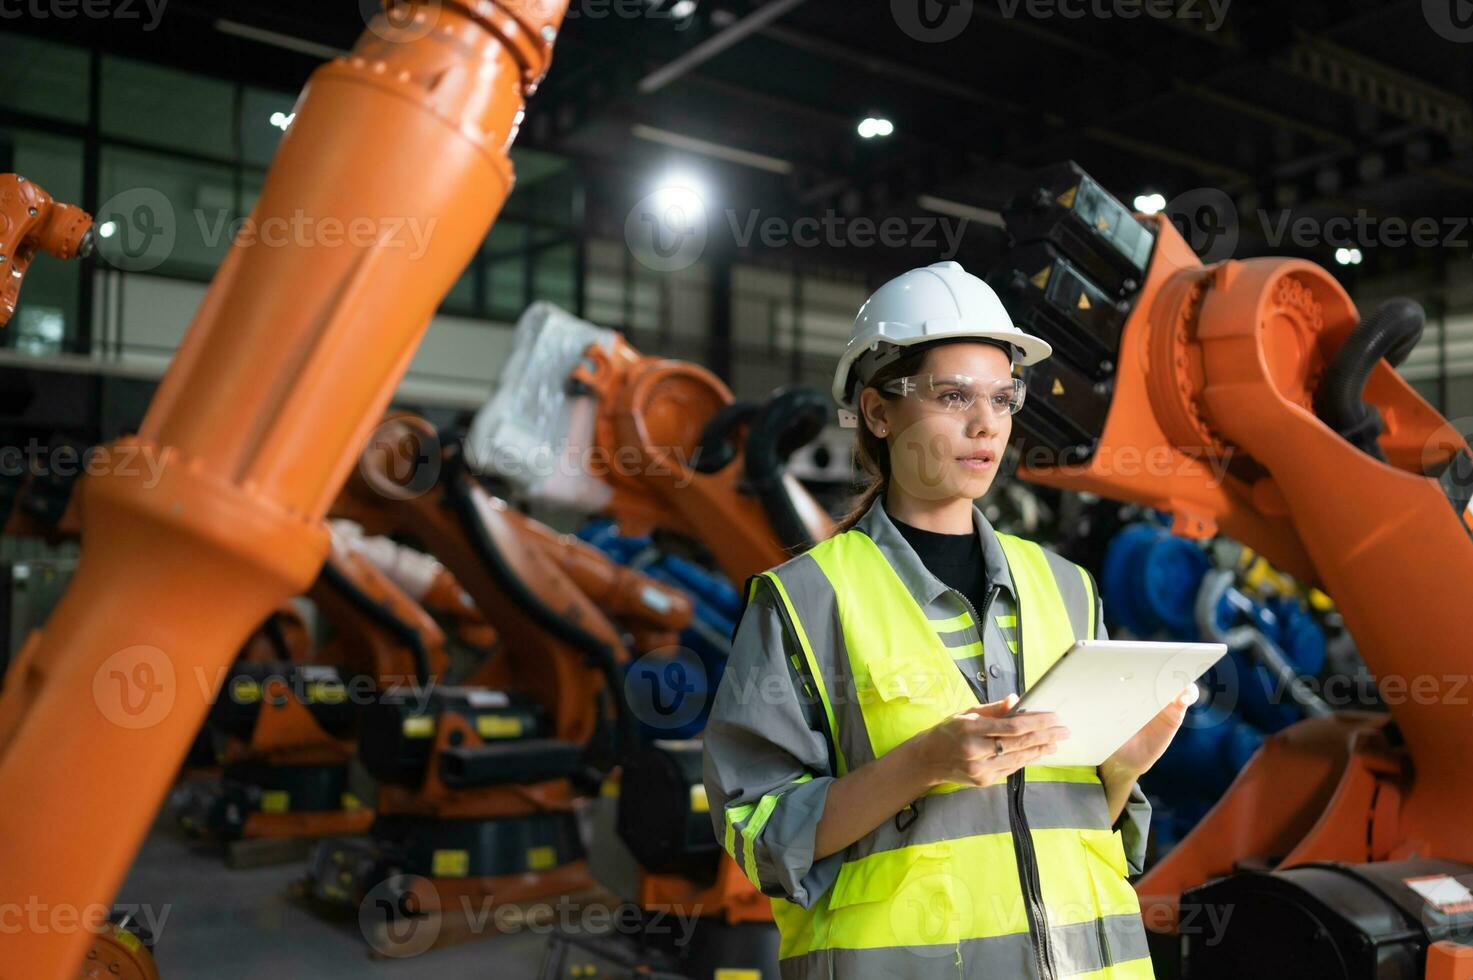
x=1023, y=878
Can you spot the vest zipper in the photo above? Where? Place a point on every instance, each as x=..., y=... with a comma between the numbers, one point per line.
x=1026, y=857
x=1023, y=851
x=1022, y=841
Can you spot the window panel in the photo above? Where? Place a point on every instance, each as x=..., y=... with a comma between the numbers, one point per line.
x=148, y=104
x=46, y=318
x=44, y=78
x=170, y=216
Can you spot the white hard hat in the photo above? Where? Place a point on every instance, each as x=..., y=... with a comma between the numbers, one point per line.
x=941, y=301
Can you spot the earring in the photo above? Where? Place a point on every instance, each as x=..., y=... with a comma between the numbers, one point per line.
x=882, y=431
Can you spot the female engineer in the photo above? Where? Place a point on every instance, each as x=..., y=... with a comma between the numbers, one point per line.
x=859, y=762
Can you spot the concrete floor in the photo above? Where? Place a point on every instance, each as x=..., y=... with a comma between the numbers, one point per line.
x=221, y=924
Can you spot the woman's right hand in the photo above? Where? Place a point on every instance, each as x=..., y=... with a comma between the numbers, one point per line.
x=963, y=748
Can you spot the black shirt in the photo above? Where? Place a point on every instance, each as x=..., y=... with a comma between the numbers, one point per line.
x=956, y=559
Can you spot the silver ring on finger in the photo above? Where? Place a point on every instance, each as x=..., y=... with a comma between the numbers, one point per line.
x=997, y=746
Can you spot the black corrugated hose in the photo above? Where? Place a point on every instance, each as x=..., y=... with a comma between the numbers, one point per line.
x=1390, y=332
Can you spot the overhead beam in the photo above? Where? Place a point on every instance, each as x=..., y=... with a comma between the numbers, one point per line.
x=717, y=43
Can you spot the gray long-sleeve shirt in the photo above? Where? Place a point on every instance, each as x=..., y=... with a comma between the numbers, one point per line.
x=766, y=744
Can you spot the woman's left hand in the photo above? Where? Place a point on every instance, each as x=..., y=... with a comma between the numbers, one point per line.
x=1141, y=750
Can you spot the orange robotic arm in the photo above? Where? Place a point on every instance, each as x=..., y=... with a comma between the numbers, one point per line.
x=31, y=222
x=426, y=584
x=292, y=357
x=381, y=631
x=1222, y=378
x=663, y=410
x=582, y=420
x=546, y=598
x=659, y=443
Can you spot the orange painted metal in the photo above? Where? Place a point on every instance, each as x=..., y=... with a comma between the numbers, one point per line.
x=433, y=799
x=1447, y=960
x=658, y=408
x=114, y=953
x=548, y=569
x=30, y=222
x=363, y=645
x=1218, y=368
x=1273, y=805
x=290, y=360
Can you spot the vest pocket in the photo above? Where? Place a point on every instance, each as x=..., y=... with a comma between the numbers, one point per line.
x=909, y=897
x=1104, y=855
x=906, y=679
x=903, y=696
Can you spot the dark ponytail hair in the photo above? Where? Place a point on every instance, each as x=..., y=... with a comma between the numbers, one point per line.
x=872, y=452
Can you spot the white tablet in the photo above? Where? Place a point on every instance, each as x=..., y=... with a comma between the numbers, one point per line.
x=1106, y=690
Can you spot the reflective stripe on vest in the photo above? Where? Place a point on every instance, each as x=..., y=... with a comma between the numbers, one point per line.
x=946, y=890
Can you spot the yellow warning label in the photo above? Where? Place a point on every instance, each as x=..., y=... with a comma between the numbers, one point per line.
x=698, y=801
x=126, y=939
x=351, y=802
x=244, y=690
x=1040, y=278
x=325, y=692
x=276, y=801
x=1084, y=301
x=1058, y=388
x=450, y=864
x=541, y=858
x=495, y=726
x=1067, y=198
x=728, y=974
x=419, y=726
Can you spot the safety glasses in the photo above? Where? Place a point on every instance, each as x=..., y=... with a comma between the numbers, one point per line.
x=956, y=393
